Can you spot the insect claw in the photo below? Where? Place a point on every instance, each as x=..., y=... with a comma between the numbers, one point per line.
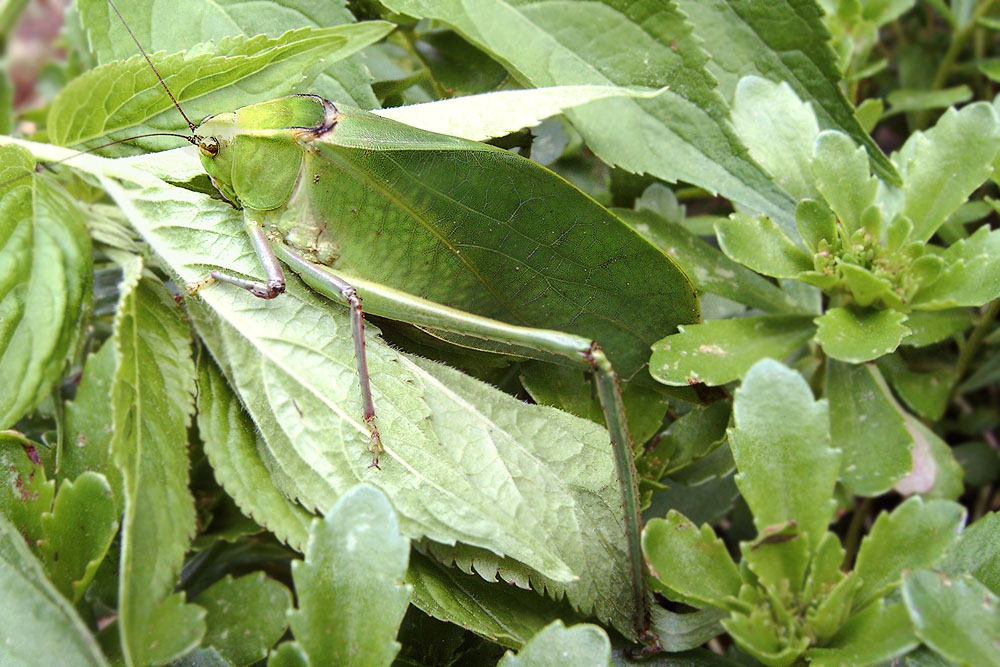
x=193, y=288
x=374, y=443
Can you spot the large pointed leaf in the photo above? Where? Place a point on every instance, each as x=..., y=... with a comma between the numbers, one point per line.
x=174, y=25
x=683, y=134
x=45, y=275
x=529, y=482
x=125, y=95
x=152, y=400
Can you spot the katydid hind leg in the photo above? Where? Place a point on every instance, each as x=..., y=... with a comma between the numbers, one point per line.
x=336, y=285
x=275, y=284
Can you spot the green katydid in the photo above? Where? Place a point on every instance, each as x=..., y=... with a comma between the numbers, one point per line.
x=431, y=229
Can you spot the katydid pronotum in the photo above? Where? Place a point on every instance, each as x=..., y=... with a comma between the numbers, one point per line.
x=518, y=274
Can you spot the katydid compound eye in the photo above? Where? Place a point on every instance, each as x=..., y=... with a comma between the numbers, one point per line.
x=209, y=146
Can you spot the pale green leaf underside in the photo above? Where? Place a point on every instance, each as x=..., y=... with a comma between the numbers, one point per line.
x=519, y=480
x=487, y=115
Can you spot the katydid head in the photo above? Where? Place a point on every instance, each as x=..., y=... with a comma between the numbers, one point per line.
x=254, y=155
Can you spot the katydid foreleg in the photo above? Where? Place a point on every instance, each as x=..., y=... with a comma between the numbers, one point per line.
x=394, y=304
x=275, y=284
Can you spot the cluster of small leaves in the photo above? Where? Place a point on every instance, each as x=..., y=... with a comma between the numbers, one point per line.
x=788, y=597
x=190, y=484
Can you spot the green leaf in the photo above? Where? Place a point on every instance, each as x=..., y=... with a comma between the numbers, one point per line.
x=38, y=626
x=691, y=562
x=761, y=245
x=458, y=68
x=681, y=632
x=927, y=394
x=709, y=270
x=232, y=445
x=175, y=26
x=778, y=559
x=351, y=595
x=933, y=326
x=855, y=335
x=78, y=533
x=815, y=222
x=488, y=115
x=944, y=165
x=572, y=390
x=237, y=72
x=780, y=131
x=905, y=100
x=877, y=634
x=25, y=493
x=977, y=552
x=88, y=436
x=45, y=276
x=841, y=172
x=245, y=616
x=958, y=618
x=688, y=439
x=151, y=398
x=720, y=351
x=682, y=135
x=584, y=644
x=914, y=535
x=972, y=276
x=868, y=427
x=785, y=41
x=787, y=468
x=502, y=613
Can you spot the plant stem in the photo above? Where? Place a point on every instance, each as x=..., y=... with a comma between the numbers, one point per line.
x=957, y=44
x=968, y=351
x=853, y=537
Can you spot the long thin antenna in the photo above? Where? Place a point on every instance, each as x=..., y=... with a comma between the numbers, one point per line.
x=49, y=165
x=153, y=67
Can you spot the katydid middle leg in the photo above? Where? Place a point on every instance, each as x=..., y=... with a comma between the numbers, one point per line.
x=275, y=285
x=397, y=305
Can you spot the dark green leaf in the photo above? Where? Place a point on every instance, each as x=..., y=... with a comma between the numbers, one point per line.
x=25, y=493
x=177, y=25
x=682, y=135
x=245, y=616
x=786, y=41
x=204, y=83
x=977, y=553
